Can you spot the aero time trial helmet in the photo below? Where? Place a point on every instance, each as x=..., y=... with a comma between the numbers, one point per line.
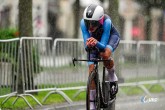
x=93, y=14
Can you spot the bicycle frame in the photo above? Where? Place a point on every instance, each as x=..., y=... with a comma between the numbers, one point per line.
x=102, y=91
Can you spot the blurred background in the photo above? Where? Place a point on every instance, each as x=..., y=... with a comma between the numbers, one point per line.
x=41, y=60
x=135, y=19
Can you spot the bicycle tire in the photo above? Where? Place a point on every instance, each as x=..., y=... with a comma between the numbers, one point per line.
x=106, y=89
x=98, y=91
x=97, y=100
x=110, y=106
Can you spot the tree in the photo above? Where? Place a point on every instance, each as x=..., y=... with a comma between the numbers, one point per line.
x=25, y=18
x=76, y=12
x=102, y=1
x=25, y=29
x=148, y=5
x=152, y=3
x=113, y=11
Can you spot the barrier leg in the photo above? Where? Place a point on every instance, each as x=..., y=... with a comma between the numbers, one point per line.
x=23, y=99
x=51, y=92
x=78, y=92
x=7, y=99
x=33, y=98
x=58, y=92
x=144, y=89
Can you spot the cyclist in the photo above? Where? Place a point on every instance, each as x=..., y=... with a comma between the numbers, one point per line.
x=98, y=30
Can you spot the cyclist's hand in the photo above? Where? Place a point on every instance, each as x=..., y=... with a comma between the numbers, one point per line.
x=88, y=44
x=91, y=42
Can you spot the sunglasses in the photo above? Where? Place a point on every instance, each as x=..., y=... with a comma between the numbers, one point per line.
x=91, y=23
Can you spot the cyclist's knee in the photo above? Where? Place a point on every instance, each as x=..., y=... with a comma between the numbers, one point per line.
x=109, y=64
x=106, y=54
x=91, y=67
x=93, y=85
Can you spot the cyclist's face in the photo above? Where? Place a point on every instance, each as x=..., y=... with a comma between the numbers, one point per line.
x=92, y=29
x=92, y=25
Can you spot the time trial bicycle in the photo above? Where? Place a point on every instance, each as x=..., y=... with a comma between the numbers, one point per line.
x=103, y=99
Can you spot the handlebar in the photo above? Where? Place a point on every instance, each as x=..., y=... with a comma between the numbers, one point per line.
x=89, y=50
x=90, y=60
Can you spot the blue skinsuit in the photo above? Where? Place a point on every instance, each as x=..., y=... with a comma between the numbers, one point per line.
x=106, y=35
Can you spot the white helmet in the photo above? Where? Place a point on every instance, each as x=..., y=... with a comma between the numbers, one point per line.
x=93, y=12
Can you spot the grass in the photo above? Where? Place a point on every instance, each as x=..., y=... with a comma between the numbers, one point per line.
x=52, y=99
x=56, y=98
x=140, y=79
x=131, y=90
x=156, y=88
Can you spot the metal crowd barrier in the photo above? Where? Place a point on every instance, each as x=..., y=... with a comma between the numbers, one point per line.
x=8, y=66
x=139, y=64
x=142, y=60
x=142, y=63
x=47, y=65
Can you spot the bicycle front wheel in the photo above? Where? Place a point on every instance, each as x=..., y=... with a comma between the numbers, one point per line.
x=92, y=77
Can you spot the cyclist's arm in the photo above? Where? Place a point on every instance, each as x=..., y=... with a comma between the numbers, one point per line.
x=106, y=35
x=85, y=31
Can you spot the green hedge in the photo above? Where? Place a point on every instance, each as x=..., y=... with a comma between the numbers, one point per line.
x=8, y=33
x=5, y=56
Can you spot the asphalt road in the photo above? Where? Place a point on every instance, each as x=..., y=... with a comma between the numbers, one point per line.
x=153, y=102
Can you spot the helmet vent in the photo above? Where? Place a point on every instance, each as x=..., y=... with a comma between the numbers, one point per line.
x=90, y=10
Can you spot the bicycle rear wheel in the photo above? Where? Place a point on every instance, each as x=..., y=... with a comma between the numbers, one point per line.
x=91, y=77
x=111, y=106
x=111, y=103
x=106, y=91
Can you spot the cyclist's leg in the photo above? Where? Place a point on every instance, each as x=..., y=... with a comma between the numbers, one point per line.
x=111, y=74
x=91, y=67
x=112, y=45
x=113, y=80
x=93, y=85
x=109, y=64
x=111, y=70
x=92, y=89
